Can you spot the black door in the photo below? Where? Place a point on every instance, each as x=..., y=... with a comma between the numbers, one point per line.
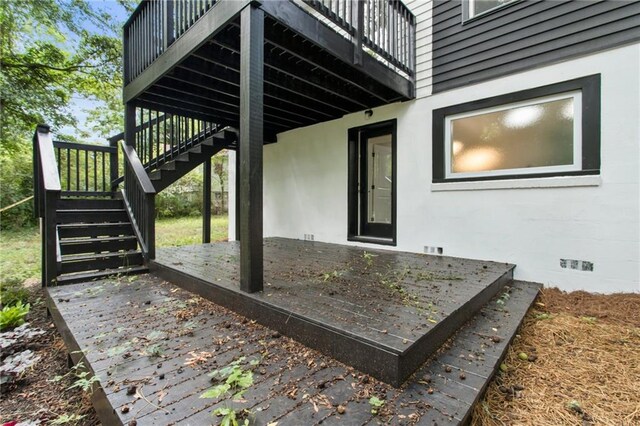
x=372, y=175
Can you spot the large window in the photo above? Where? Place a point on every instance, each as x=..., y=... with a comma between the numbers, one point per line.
x=548, y=131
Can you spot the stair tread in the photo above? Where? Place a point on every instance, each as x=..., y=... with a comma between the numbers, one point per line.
x=68, y=241
x=89, y=224
x=91, y=210
x=94, y=256
x=472, y=351
x=88, y=276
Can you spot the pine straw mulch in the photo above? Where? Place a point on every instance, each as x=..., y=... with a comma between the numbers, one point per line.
x=36, y=397
x=587, y=369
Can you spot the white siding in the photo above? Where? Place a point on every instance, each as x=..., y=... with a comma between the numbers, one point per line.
x=422, y=11
x=305, y=187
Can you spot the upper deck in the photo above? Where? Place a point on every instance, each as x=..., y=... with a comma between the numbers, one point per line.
x=322, y=59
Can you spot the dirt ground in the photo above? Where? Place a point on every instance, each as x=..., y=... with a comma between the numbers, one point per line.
x=36, y=396
x=587, y=366
x=586, y=369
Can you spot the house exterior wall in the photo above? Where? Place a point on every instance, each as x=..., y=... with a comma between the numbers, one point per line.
x=523, y=34
x=532, y=223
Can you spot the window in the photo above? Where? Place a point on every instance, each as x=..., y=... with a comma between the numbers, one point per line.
x=548, y=131
x=473, y=8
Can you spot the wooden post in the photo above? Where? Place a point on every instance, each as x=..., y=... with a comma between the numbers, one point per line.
x=357, y=16
x=130, y=124
x=237, y=212
x=206, y=202
x=113, y=163
x=251, y=139
x=168, y=23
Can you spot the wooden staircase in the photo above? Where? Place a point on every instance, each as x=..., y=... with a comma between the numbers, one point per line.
x=92, y=230
x=96, y=239
x=169, y=172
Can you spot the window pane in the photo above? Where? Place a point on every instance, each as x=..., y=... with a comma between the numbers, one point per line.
x=380, y=172
x=480, y=6
x=536, y=135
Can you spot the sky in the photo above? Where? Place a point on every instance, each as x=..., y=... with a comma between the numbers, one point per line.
x=79, y=106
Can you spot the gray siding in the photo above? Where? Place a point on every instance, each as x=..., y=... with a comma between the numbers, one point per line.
x=523, y=35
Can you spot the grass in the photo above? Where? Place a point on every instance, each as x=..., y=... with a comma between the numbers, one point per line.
x=188, y=230
x=20, y=249
x=19, y=255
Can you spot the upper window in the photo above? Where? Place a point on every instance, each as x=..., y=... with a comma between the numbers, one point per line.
x=548, y=131
x=474, y=8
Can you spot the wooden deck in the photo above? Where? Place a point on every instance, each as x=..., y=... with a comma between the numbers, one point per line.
x=381, y=311
x=152, y=345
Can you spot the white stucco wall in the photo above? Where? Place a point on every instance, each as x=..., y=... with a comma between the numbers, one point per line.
x=305, y=187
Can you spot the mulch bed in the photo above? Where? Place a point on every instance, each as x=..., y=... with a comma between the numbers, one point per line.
x=586, y=368
x=35, y=397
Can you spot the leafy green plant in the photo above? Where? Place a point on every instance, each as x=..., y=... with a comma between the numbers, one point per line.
x=235, y=381
x=376, y=404
x=155, y=351
x=13, y=316
x=64, y=419
x=81, y=378
x=368, y=258
x=12, y=293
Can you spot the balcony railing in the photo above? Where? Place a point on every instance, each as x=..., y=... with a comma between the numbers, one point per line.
x=383, y=28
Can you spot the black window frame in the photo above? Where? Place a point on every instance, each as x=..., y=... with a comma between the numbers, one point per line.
x=354, y=228
x=589, y=86
x=465, y=10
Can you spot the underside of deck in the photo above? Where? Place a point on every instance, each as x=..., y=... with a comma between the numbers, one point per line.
x=383, y=312
x=309, y=72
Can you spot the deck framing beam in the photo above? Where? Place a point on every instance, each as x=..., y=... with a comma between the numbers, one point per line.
x=250, y=147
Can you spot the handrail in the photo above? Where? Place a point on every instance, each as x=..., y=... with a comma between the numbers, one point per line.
x=86, y=169
x=139, y=198
x=131, y=157
x=46, y=191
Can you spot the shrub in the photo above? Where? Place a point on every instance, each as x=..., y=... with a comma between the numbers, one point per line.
x=12, y=316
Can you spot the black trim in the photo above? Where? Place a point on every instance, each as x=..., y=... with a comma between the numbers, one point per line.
x=465, y=11
x=355, y=230
x=590, y=88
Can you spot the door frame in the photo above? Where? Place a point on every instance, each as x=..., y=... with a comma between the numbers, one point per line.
x=357, y=197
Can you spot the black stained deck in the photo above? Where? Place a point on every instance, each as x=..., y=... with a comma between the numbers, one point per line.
x=112, y=326
x=383, y=312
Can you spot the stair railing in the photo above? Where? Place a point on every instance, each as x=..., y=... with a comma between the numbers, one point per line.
x=161, y=137
x=139, y=197
x=86, y=170
x=47, y=189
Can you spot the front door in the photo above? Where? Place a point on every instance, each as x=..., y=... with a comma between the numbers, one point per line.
x=373, y=180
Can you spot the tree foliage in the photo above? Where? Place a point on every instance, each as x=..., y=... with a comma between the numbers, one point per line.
x=50, y=52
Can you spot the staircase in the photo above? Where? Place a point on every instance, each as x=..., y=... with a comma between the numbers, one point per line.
x=169, y=172
x=90, y=229
x=96, y=239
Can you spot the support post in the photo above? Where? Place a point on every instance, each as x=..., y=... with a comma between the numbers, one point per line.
x=357, y=16
x=206, y=202
x=250, y=147
x=130, y=124
x=237, y=212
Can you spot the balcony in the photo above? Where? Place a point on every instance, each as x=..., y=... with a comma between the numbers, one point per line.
x=322, y=59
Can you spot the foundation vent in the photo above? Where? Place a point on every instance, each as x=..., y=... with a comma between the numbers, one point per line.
x=580, y=265
x=433, y=250
x=308, y=237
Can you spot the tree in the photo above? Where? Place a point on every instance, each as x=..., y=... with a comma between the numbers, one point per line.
x=51, y=51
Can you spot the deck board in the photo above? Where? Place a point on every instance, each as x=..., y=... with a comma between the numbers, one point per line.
x=285, y=365
x=396, y=306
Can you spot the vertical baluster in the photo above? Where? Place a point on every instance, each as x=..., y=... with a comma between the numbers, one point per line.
x=68, y=158
x=150, y=137
x=86, y=170
x=77, y=170
x=104, y=181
